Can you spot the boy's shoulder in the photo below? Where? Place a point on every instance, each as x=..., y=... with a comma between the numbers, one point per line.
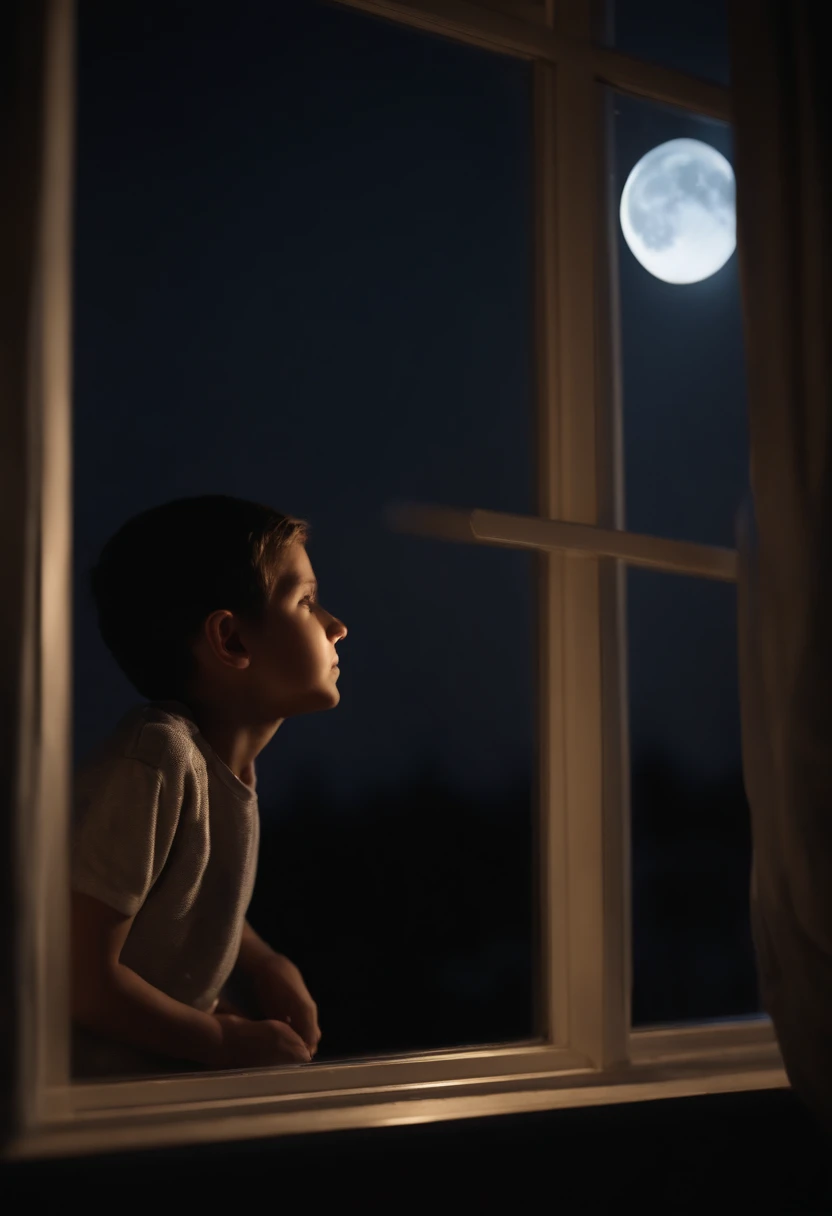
x=158, y=733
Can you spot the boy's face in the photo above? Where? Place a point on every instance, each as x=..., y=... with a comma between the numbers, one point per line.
x=294, y=664
x=287, y=663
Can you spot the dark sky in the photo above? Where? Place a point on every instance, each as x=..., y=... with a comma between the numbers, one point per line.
x=304, y=276
x=690, y=37
x=685, y=470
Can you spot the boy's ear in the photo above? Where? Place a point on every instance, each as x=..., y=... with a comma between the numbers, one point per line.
x=222, y=635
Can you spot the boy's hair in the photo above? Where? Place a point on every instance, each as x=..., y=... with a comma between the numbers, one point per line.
x=167, y=569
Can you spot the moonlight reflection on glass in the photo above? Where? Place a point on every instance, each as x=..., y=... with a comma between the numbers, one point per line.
x=678, y=213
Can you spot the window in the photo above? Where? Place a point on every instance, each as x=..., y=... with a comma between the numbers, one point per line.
x=587, y=1049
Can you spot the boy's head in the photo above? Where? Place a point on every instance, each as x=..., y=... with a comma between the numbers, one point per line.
x=213, y=599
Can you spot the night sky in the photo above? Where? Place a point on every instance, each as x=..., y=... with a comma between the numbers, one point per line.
x=690, y=37
x=685, y=471
x=291, y=286
x=303, y=275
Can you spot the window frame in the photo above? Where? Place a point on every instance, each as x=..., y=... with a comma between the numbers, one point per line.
x=588, y=1052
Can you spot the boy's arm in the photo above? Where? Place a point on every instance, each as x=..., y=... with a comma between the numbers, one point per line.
x=276, y=986
x=253, y=952
x=114, y=1000
x=110, y=998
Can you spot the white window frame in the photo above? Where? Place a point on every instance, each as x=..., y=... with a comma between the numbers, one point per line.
x=588, y=1053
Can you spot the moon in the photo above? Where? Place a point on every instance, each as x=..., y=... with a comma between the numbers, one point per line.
x=678, y=211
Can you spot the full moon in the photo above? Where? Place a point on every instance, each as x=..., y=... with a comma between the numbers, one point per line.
x=678, y=213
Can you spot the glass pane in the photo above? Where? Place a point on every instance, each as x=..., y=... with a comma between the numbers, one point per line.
x=682, y=366
x=402, y=873
x=292, y=287
x=692, y=950
x=692, y=39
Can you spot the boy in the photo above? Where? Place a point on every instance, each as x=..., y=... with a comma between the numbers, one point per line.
x=209, y=606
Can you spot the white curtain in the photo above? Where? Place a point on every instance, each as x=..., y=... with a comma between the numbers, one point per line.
x=782, y=84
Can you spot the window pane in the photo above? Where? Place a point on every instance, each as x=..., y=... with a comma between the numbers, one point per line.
x=692, y=950
x=692, y=39
x=682, y=368
x=408, y=892
x=303, y=277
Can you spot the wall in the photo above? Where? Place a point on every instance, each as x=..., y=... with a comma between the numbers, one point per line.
x=756, y=1152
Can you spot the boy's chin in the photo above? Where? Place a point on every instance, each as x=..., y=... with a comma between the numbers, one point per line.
x=318, y=699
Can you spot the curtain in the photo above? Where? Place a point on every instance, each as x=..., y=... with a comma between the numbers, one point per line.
x=783, y=154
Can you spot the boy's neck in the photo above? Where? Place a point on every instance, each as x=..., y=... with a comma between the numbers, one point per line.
x=236, y=743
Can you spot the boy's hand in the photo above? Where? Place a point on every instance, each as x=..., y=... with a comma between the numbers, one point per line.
x=247, y=1044
x=281, y=993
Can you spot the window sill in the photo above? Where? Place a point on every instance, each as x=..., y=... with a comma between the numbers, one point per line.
x=666, y=1064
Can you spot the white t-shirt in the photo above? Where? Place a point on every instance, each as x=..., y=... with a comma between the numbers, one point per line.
x=165, y=832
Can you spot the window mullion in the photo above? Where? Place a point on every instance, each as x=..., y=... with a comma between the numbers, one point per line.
x=551, y=859
x=652, y=552
x=543, y=533
x=596, y=863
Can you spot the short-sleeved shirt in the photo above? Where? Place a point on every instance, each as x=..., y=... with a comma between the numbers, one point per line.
x=165, y=832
